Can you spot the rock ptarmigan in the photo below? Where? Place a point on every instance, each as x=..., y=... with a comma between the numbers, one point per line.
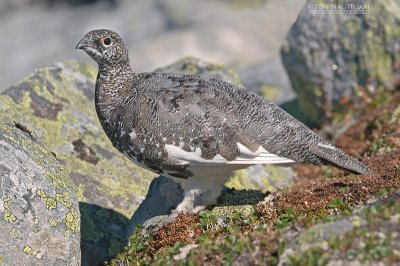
x=193, y=129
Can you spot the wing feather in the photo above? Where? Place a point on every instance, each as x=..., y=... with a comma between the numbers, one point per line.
x=246, y=157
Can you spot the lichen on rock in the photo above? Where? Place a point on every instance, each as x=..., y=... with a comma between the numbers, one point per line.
x=28, y=172
x=336, y=62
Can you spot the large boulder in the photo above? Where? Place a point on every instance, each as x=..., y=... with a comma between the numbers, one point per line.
x=39, y=212
x=335, y=61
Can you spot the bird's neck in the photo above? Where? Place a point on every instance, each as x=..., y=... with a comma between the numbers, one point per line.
x=109, y=73
x=112, y=86
x=112, y=83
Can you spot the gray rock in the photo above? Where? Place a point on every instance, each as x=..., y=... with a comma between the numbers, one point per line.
x=163, y=196
x=371, y=227
x=39, y=212
x=194, y=66
x=268, y=79
x=335, y=61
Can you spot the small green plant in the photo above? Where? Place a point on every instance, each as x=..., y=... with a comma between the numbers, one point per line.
x=336, y=203
x=208, y=220
x=285, y=218
x=311, y=257
x=328, y=172
x=380, y=144
x=384, y=191
x=340, y=206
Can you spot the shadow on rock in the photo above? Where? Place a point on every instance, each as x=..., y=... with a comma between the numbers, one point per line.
x=102, y=233
x=163, y=196
x=234, y=197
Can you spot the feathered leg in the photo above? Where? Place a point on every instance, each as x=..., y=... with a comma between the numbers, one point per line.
x=200, y=192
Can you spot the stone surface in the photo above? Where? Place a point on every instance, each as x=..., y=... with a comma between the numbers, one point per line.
x=163, y=196
x=334, y=61
x=373, y=235
x=39, y=212
x=194, y=66
x=268, y=79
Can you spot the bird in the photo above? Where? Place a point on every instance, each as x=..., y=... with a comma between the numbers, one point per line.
x=194, y=129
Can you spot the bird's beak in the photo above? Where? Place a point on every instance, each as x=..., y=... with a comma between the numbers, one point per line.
x=82, y=44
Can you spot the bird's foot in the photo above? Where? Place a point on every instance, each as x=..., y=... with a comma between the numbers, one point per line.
x=194, y=201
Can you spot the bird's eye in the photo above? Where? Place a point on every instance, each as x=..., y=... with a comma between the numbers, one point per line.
x=107, y=41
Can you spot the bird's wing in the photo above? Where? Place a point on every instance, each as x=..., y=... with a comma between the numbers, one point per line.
x=245, y=157
x=202, y=122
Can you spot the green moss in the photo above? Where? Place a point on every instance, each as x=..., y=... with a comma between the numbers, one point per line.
x=312, y=256
x=2, y=260
x=244, y=210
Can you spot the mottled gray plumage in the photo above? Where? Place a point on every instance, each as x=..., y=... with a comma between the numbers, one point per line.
x=195, y=128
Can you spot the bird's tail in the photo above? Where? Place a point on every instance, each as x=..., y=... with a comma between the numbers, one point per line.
x=335, y=156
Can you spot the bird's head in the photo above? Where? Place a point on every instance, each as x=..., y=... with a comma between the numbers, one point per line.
x=105, y=47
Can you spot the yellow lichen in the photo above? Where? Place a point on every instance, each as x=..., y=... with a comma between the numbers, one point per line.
x=51, y=203
x=64, y=199
x=15, y=232
x=72, y=220
x=28, y=250
x=53, y=222
x=36, y=229
x=41, y=193
x=8, y=216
